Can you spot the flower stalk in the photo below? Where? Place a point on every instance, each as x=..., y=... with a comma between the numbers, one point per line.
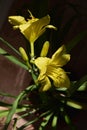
x=32, y=50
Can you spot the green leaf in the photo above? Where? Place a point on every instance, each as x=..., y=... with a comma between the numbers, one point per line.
x=76, y=105
x=76, y=85
x=83, y=87
x=5, y=104
x=75, y=40
x=34, y=120
x=68, y=121
x=45, y=121
x=3, y=113
x=7, y=95
x=54, y=122
x=16, y=103
x=13, y=59
x=9, y=45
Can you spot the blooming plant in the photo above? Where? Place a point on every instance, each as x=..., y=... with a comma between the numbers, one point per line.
x=51, y=83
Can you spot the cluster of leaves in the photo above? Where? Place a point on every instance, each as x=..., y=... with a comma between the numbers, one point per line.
x=51, y=104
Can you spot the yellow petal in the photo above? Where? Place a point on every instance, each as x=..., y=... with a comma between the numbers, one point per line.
x=60, y=58
x=36, y=29
x=51, y=27
x=16, y=20
x=23, y=27
x=59, y=77
x=45, y=84
x=42, y=62
x=26, y=25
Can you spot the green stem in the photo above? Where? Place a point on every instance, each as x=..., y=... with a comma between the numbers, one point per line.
x=28, y=65
x=34, y=77
x=32, y=49
x=32, y=72
x=9, y=45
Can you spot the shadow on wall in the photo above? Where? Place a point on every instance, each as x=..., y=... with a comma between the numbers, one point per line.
x=4, y=8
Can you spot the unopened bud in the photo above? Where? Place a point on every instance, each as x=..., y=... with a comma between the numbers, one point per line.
x=23, y=54
x=45, y=49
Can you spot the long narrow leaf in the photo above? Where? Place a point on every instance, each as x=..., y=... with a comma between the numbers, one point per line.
x=5, y=104
x=34, y=120
x=7, y=95
x=9, y=45
x=83, y=87
x=75, y=40
x=13, y=59
x=16, y=103
x=27, y=124
x=77, y=85
x=54, y=122
x=69, y=122
x=45, y=122
x=3, y=113
x=76, y=105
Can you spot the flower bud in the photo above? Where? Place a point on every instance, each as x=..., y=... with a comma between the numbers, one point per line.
x=23, y=54
x=45, y=49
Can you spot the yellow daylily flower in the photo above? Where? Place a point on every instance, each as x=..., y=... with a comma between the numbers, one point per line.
x=36, y=29
x=20, y=22
x=50, y=68
x=31, y=28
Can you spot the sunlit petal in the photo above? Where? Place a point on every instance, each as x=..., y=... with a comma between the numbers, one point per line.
x=50, y=68
x=45, y=84
x=60, y=58
x=59, y=77
x=42, y=62
x=16, y=20
x=31, y=28
x=51, y=27
x=36, y=29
